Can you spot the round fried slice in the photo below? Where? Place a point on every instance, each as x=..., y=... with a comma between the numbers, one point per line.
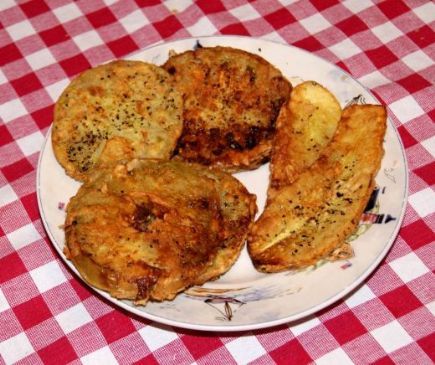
x=120, y=110
x=231, y=101
x=147, y=229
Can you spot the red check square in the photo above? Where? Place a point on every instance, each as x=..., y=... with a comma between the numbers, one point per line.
x=74, y=65
x=309, y=43
x=34, y=8
x=26, y=84
x=427, y=173
x=200, y=348
x=17, y=169
x=292, y=353
x=392, y=8
x=115, y=325
x=32, y=312
x=352, y=25
x=43, y=117
x=54, y=35
x=59, y=352
x=417, y=234
x=11, y=267
x=168, y=26
x=345, y=327
x=280, y=18
x=414, y=83
x=101, y=18
x=6, y=136
x=122, y=46
x=210, y=7
x=381, y=56
x=236, y=28
x=10, y=53
x=400, y=301
x=407, y=138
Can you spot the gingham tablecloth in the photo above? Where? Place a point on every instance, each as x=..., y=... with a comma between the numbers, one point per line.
x=48, y=316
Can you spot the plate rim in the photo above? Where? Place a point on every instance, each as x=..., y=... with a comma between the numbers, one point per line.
x=228, y=327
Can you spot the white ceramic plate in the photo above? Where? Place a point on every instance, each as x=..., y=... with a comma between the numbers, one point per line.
x=244, y=299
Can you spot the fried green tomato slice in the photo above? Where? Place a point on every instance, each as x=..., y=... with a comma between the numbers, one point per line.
x=120, y=110
x=147, y=230
x=311, y=217
x=231, y=101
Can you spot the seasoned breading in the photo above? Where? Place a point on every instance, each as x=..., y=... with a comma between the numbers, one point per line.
x=305, y=125
x=309, y=218
x=123, y=109
x=148, y=229
x=231, y=101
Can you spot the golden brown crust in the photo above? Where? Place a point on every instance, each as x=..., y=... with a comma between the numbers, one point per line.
x=123, y=109
x=147, y=229
x=306, y=220
x=305, y=126
x=231, y=101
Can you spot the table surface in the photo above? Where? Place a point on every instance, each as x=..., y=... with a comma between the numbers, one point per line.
x=47, y=315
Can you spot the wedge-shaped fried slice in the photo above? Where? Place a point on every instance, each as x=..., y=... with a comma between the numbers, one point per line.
x=120, y=110
x=231, y=101
x=305, y=125
x=147, y=229
x=308, y=219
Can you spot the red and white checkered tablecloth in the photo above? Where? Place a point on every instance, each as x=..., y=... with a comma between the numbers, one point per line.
x=48, y=316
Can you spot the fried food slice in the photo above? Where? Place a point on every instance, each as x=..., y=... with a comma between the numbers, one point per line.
x=231, y=101
x=120, y=110
x=305, y=125
x=306, y=220
x=148, y=229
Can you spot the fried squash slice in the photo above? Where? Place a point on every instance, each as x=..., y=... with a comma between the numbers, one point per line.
x=147, y=229
x=310, y=218
x=119, y=110
x=231, y=101
x=305, y=126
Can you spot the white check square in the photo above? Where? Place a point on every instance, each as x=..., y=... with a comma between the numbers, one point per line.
x=67, y=12
x=245, y=349
x=391, y=337
x=23, y=236
x=337, y=356
x=20, y=30
x=7, y=195
x=134, y=21
x=56, y=89
x=73, y=318
x=40, y=59
x=362, y=295
x=426, y=12
x=156, y=338
x=15, y=348
x=48, y=276
x=431, y=307
x=345, y=49
x=12, y=109
x=386, y=32
x=304, y=326
x=177, y=5
x=374, y=79
x=101, y=356
x=31, y=143
x=429, y=145
x=4, y=304
x=423, y=202
x=245, y=12
x=409, y=267
x=406, y=109
x=202, y=27
x=417, y=60
x=357, y=5
x=315, y=23
x=88, y=40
